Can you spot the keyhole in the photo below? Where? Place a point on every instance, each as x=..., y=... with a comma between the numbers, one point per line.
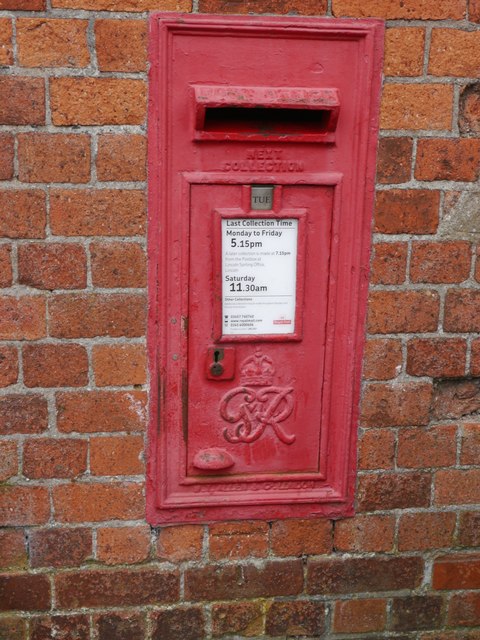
x=216, y=368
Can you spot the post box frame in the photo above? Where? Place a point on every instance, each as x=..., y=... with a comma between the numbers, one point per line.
x=332, y=495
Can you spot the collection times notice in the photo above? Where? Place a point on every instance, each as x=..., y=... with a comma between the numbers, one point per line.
x=259, y=275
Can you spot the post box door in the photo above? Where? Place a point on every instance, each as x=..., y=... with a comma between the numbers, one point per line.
x=252, y=273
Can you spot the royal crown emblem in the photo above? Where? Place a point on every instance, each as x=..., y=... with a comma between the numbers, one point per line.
x=257, y=370
x=251, y=409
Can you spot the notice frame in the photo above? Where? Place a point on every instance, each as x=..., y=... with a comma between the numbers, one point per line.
x=221, y=215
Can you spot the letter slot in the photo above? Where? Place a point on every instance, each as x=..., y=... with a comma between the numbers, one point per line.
x=258, y=113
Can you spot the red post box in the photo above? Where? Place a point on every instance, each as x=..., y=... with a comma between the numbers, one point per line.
x=262, y=137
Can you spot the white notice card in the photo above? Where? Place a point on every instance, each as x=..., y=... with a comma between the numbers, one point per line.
x=259, y=275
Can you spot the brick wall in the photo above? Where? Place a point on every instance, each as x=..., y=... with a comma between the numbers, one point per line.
x=79, y=560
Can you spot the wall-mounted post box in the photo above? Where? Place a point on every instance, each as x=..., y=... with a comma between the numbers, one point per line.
x=262, y=137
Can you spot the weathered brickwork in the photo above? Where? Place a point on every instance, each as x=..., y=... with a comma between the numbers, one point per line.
x=78, y=561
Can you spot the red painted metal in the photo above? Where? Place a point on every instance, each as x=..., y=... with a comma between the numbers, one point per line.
x=245, y=424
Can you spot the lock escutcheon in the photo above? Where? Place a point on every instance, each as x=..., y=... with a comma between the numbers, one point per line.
x=216, y=369
x=220, y=363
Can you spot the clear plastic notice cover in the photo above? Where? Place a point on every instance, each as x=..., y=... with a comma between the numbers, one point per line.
x=259, y=275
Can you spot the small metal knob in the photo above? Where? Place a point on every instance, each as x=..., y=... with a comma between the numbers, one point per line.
x=216, y=369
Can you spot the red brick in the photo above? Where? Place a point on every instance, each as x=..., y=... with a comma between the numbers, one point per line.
x=407, y=9
x=389, y=263
x=301, y=537
x=242, y=618
x=403, y=404
x=454, y=52
x=365, y=533
x=360, y=616
x=469, y=529
x=116, y=456
x=180, y=544
x=461, y=310
x=436, y=357
x=13, y=553
x=123, y=545
x=6, y=48
x=301, y=7
x=447, y=159
x=470, y=453
x=97, y=314
x=91, y=101
x=54, y=458
x=92, y=411
x=417, y=107
x=230, y=582
x=464, y=609
x=457, y=572
x=469, y=115
x=22, y=100
x=403, y=311
x=404, y=51
x=8, y=365
x=376, y=449
x=118, y=264
x=22, y=318
x=432, y=447
x=96, y=502
x=121, y=45
x=24, y=592
x=457, y=486
x=8, y=459
x=23, y=213
x=121, y=157
x=456, y=398
x=417, y=612
x=474, y=10
x=126, y=5
x=23, y=5
x=187, y=623
x=47, y=157
x=238, y=540
x=55, y=365
x=5, y=265
x=120, y=626
x=419, y=531
x=296, y=618
x=119, y=364
x=70, y=627
x=43, y=42
x=13, y=628
x=90, y=212
x=107, y=588
x=382, y=359
x=394, y=160
x=6, y=155
x=407, y=211
x=477, y=264
x=353, y=575
x=393, y=491
x=23, y=414
x=59, y=547
x=23, y=505
x=440, y=262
